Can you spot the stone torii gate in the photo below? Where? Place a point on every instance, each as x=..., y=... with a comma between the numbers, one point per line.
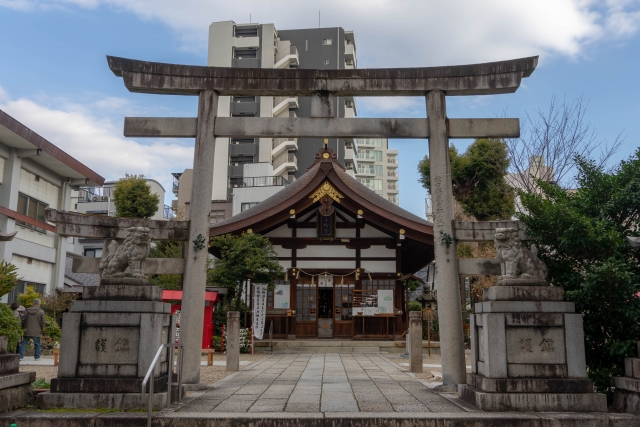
x=323, y=86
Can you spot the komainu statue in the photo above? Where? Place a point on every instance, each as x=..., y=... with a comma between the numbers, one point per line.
x=516, y=261
x=127, y=259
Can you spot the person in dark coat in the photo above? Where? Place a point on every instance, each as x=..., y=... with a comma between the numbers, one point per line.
x=34, y=324
x=20, y=312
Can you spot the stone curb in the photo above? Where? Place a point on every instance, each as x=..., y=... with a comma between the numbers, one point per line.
x=336, y=419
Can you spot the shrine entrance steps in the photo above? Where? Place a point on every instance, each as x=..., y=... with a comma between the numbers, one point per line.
x=348, y=346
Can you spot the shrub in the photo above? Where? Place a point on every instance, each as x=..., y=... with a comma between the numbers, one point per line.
x=51, y=329
x=10, y=327
x=414, y=306
x=29, y=295
x=40, y=383
x=8, y=277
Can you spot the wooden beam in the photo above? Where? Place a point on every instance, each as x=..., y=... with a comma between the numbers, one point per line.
x=484, y=231
x=107, y=227
x=312, y=241
x=475, y=266
x=301, y=127
x=83, y=264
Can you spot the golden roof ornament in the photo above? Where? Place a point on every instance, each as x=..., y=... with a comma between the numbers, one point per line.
x=326, y=189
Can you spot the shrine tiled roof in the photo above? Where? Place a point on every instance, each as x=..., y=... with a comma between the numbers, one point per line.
x=276, y=208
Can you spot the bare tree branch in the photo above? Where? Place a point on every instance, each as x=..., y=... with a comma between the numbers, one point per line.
x=549, y=143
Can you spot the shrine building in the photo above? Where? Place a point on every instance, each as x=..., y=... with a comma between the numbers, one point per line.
x=346, y=250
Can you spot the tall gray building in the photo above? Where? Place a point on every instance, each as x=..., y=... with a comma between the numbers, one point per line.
x=262, y=46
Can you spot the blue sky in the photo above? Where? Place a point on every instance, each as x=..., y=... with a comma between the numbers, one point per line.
x=54, y=77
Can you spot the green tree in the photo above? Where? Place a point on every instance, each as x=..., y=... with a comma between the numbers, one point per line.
x=478, y=179
x=10, y=326
x=26, y=299
x=249, y=256
x=133, y=198
x=166, y=249
x=582, y=236
x=57, y=302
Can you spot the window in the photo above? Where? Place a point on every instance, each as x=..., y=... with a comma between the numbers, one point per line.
x=32, y=208
x=372, y=184
x=370, y=169
x=21, y=287
x=245, y=53
x=327, y=42
x=245, y=206
x=326, y=62
x=93, y=252
x=374, y=285
x=306, y=303
x=371, y=155
x=343, y=299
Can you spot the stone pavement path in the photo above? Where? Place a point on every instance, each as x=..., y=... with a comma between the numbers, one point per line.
x=321, y=383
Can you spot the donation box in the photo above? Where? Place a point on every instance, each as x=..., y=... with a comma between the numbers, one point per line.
x=210, y=299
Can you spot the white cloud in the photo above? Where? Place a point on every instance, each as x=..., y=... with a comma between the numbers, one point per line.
x=88, y=133
x=402, y=33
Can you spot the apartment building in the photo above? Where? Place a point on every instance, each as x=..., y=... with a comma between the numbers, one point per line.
x=35, y=175
x=377, y=167
x=99, y=201
x=262, y=46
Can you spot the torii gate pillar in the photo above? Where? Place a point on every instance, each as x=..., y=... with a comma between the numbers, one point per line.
x=195, y=269
x=449, y=310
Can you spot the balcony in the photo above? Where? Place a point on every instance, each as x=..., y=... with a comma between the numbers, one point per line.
x=391, y=188
x=244, y=108
x=392, y=160
x=350, y=52
x=392, y=175
x=283, y=103
x=283, y=144
x=94, y=194
x=366, y=172
x=287, y=57
x=260, y=181
x=242, y=149
x=349, y=64
x=286, y=161
x=168, y=213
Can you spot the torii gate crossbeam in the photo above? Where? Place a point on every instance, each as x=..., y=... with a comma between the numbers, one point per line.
x=434, y=83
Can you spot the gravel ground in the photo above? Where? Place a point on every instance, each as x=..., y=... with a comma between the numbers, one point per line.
x=208, y=374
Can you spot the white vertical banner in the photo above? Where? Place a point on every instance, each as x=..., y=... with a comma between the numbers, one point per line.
x=259, y=309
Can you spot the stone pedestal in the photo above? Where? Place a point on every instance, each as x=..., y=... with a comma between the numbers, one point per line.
x=109, y=340
x=627, y=395
x=15, y=386
x=415, y=346
x=527, y=353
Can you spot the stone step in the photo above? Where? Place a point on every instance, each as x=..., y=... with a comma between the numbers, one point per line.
x=329, y=349
x=327, y=419
x=533, y=402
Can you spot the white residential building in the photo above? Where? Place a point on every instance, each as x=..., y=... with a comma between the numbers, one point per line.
x=35, y=175
x=377, y=167
x=262, y=46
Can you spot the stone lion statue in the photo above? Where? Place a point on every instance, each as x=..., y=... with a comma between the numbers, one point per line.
x=131, y=255
x=516, y=261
